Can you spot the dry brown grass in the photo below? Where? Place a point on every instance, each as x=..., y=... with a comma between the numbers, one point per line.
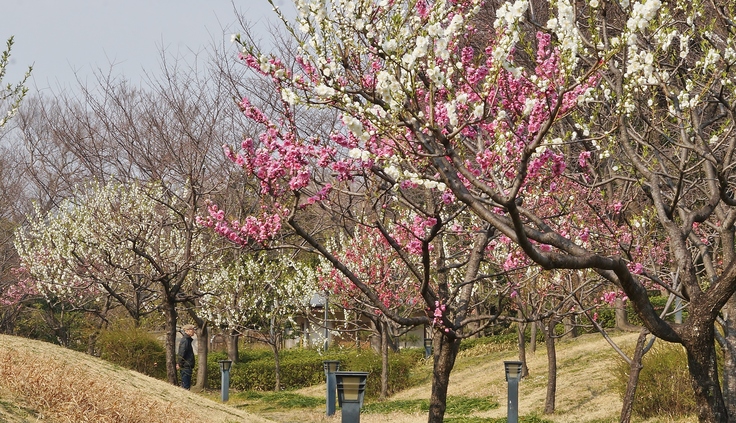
x=60, y=385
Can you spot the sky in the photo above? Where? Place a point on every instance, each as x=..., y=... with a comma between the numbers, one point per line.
x=69, y=39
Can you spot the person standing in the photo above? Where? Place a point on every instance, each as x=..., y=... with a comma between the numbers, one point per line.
x=185, y=356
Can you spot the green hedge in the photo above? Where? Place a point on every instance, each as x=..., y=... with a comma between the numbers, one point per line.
x=607, y=314
x=304, y=367
x=133, y=348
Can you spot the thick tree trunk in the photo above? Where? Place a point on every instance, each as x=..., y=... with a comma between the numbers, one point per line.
x=170, y=343
x=520, y=329
x=445, y=352
x=701, y=360
x=549, y=342
x=634, y=370
x=231, y=341
x=728, y=347
x=533, y=338
x=202, y=351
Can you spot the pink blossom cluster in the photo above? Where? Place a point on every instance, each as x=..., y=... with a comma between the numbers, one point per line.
x=438, y=316
x=611, y=296
x=260, y=229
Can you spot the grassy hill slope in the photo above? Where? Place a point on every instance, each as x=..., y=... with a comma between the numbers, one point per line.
x=44, y=382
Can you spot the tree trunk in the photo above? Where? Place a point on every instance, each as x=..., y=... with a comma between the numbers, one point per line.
x=384, y=358
x=634, y=370
x=202, y=351
x=701, y=360
x=622, y=320
x=520, y=329
x=728, y=346
x=533, y=339
x=277, y=366
x=571, y=329
x=549, y=342
x=445, y=352
x=170, y=343
x=231, y=340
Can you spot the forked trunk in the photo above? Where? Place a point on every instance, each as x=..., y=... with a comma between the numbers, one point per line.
x=445, y=352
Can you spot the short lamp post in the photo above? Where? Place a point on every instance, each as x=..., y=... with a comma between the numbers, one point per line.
x=513, y=375
x=350, y=393
x=331, y=366
x=225, y=379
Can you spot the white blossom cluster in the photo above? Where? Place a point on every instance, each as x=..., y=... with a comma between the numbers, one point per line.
x=252, y=292
x=106, y=239
x=564, y=26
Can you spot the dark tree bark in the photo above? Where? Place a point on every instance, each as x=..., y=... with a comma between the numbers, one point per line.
x=701, y=360
x=445, y=352
x=549, y=342
x=384, y=358
x=171, y=317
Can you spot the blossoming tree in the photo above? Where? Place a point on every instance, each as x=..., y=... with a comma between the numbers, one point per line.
x=405, y=77
x=260, y=296
x=370, y=257
x=617, y=115
x=119, y=243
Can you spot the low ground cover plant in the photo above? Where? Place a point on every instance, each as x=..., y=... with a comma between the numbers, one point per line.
x=301, y=367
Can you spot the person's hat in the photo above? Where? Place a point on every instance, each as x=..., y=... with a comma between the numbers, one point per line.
x=188, y=327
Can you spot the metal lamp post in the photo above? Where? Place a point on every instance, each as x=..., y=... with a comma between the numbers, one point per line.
x=350, y=393
x=331, y=366
x=513, y=375
x=225, y=379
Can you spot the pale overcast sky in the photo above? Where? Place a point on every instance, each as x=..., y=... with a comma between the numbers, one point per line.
x=64, y=37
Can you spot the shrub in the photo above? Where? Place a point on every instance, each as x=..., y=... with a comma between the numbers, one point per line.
x=135, y=349
x=304, y=367
x=664, y=383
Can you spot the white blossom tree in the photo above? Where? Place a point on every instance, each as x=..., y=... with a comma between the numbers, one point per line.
x=260, y=295
x=118, y=242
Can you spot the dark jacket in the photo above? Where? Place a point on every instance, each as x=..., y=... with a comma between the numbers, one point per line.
x=185, y=356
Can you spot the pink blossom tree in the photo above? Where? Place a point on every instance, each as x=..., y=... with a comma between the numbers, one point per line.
x=617, y=116
x=413, y=92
